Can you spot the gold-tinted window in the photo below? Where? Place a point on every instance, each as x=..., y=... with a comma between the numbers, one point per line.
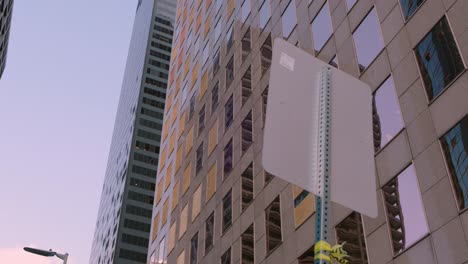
x=213, y=137
x=189, y=141
x=155, y=227
x=183, y=221
x=165, y=212
x=172, y=142
x=304, y=205
x=175, y=111
x=230, y=7
x=186, y=67
x=182, y=124
x=211, y=181
x=194, y=75
x=198, y=22
x=171, y=241
x=207, y=26
x=186, y=181
x=162, y=159
x=203, y=84
x=179, y=157
x=175, y=196
x=159, y=191
x=181, y=257
x=168, y=175
x=196, y=203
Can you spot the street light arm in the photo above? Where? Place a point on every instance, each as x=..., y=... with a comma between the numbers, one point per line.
x=63, y=257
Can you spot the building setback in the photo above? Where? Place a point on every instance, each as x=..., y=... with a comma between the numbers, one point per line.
x=215, y=203
x=6, y=8
x=124, y=218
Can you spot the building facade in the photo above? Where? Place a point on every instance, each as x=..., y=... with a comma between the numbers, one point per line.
x=124, y=218
x=6, y=9
x=215, y=203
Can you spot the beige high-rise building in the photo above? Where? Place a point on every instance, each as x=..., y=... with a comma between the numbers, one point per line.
x=214, y=203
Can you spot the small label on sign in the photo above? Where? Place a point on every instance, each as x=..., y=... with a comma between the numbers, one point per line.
x=287, y=61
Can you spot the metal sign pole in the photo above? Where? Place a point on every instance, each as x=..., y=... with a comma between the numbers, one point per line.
x=323, y=200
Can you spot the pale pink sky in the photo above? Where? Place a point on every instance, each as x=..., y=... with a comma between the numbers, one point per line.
x=58, y=99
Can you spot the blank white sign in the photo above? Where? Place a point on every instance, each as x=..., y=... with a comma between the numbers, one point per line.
x=291, y=129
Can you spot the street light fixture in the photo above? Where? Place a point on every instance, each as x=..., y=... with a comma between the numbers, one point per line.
x=46, y=253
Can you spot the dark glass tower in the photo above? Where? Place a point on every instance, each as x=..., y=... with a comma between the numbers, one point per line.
x=124, y=218
x=6, y=7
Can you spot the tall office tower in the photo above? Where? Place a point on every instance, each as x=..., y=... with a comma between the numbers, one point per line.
x=215, y=203
x=124, y=218
x=6, y=8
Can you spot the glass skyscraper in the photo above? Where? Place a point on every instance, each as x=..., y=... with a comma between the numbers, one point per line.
x=6, y=7
x=124, y=218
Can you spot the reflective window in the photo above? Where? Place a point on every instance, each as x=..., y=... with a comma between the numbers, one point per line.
x=219, y=3
x=246, y=132
x=209, y=233
x=267, y=177
x=194, y=249
x=201, y=119
x=307, y=257
x=273, y=225
x=368, y=40
x=197, y=45
x=409, y=7
x=192, y=106
x=246, y=85
x=387, y=121
x=247, y=253
x=229, y=72
x=265, y=13
x=214, y=97
x=246, y=45
x=227, y=158
x=200, y=157
x=227, y=211
x=405, y=210
x=322, y=27
x=438, y=59
x=226, y=257
x=350, y=3
x=247, y=186
x=229, y=39
x=206, y=53
x=289, y=19
x=266, y=53
x=216, y=64
x=455, y=145
x=334, y=62
x=245, y=10
x=228, y=112
x=217, y=30
x=350, y=232
x=264, y=105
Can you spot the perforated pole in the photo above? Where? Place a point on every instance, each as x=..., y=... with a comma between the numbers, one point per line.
x=323, y=200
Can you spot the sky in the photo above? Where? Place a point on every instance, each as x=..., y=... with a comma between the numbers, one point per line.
x=58, y=100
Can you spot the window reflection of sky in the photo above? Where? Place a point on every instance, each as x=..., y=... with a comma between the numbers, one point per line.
x=368, y=40
x=322, y=27
x=388, y=110
x=412, y=207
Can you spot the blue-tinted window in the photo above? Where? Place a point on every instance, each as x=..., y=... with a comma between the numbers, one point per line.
x=245, y=10
x=409, y=7
x=405, y=210
x=289, y=19
x=265, y=13
x=387, y=121
x=455, y=145
x=350, y=4
x=368, y=40
x=438, y=59
x=322, y=27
